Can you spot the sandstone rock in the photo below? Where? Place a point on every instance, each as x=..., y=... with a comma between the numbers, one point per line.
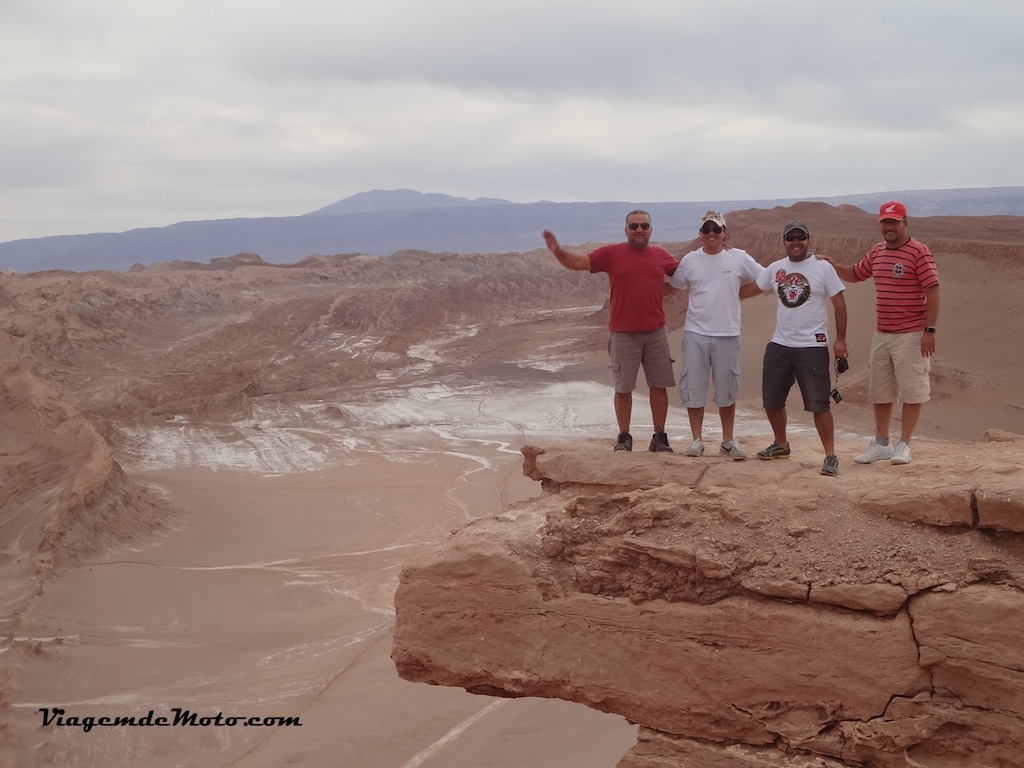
x=740, y=621
x=949, y=506
x=1001, y=508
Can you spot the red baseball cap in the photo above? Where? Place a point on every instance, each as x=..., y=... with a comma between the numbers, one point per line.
x=892, y=210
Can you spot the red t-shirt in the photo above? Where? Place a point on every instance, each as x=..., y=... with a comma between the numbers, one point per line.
x=636, y=280
x=901, y=276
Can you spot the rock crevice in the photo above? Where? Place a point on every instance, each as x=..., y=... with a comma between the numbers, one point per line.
x=743, y=614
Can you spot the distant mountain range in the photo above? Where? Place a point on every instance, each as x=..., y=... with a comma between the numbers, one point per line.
x=381, y=222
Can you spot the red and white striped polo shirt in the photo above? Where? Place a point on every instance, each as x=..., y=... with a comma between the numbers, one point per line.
x=901, y=276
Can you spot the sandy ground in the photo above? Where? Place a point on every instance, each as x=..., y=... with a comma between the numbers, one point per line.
x=272, y=596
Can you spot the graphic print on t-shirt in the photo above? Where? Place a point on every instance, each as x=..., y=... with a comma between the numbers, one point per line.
x=794, y=289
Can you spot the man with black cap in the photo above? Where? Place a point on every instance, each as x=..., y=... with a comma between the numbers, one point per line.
x=906, y=309
x=798, y=351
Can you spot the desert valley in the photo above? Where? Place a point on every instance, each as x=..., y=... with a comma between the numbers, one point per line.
x=212, y=476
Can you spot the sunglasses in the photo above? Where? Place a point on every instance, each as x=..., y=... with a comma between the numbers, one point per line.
x=635, y=226
x=800, y=236
x=707, y=229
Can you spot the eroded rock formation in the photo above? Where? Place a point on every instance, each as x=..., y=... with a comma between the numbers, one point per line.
x=747, y=614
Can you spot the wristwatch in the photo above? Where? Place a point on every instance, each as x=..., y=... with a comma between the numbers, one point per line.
x=929, y=329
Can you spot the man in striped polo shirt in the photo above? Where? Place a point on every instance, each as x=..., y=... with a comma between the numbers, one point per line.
x=907, y=309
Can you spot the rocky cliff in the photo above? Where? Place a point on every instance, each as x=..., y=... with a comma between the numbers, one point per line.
x=747, y=615
x=62, y=492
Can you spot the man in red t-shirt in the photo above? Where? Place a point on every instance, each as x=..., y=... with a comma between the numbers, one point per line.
x=906, y=309
x=636, y=321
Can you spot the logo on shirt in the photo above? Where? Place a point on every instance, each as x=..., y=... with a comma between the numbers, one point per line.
x=793, y=289
x=897, y=270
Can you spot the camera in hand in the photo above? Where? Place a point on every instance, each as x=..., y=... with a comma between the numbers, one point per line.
x=842, y=366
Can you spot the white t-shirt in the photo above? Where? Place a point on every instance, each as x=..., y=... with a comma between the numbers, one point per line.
x=803, y=289
x=714, y=282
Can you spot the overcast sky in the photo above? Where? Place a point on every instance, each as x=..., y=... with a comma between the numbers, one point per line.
x=117, y=114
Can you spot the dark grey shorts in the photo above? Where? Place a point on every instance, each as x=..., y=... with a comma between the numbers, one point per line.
x=808, y=367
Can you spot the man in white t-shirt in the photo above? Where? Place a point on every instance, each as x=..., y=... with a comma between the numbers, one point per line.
x=798, y=351
x=711, y=334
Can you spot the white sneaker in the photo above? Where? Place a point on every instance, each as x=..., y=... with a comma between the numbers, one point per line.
x=732, y=450
x=696, y=448
x=900, y=453
x=876, y=452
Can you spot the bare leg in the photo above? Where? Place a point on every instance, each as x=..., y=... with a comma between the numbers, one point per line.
x=728, y=414
x=696, y=416
x=659, y=407
x=778, y=421
x=623, y=409
x=883, y=415
x=911, y=413
x=825, y=425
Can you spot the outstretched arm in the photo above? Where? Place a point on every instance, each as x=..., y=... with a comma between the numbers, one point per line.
x=750, y=289
x=566, y=258
x=846, y=273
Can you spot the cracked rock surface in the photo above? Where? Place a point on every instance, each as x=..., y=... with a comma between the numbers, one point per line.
x=746, y=614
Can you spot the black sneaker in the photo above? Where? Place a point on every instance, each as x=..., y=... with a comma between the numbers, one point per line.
x=624, y=443
x=831, y=465
x=774, y=451
x=660, y=443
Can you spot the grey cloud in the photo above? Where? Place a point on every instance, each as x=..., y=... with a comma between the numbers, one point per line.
x=206, y=109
